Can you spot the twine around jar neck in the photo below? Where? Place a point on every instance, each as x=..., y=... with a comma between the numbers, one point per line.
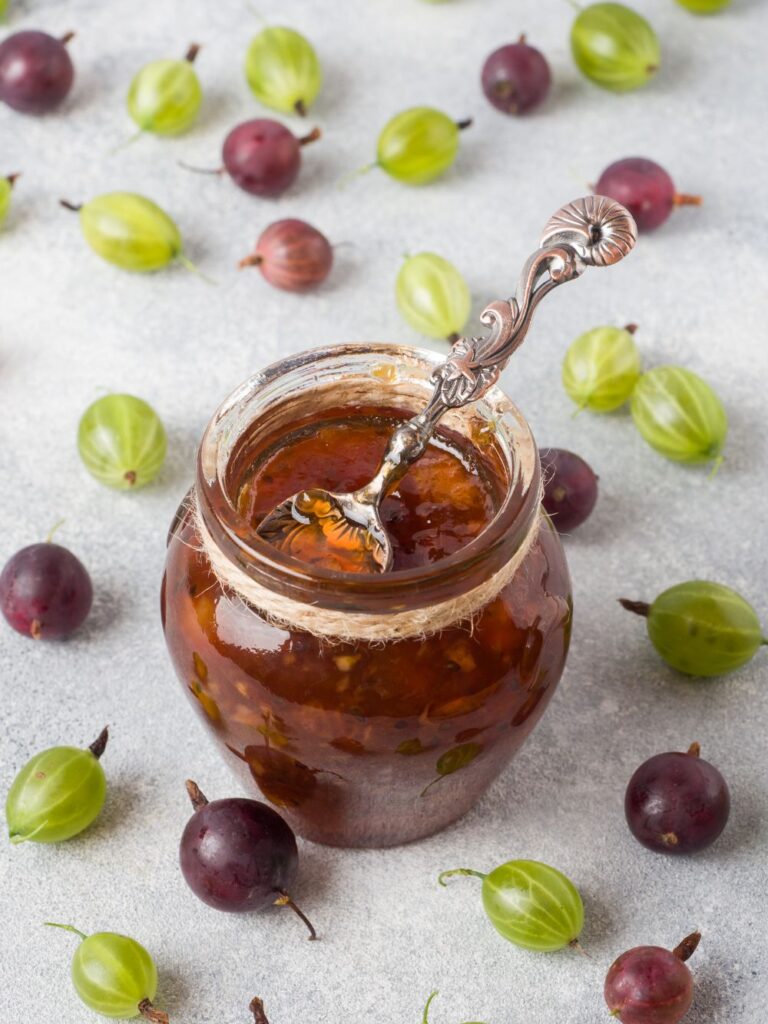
x=343, y=626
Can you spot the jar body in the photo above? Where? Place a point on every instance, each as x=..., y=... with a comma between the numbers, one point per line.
x=361, y=744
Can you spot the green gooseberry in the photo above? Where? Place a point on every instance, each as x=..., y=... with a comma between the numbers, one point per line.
x=57, y=794
x=432, y=295
x=121, y=441
x=418, y=145
x=680, y=415
x=6, y=190
x=614, y=46
x=701, y=628
x=602, y=367
x=130, y=231
x=165, y=96
x=530, y=904
x=283, y=71
x=114, y=975
x=704, y=6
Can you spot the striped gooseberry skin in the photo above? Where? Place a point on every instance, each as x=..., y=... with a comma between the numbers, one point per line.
x=165, y=96
x=614, y=46
x=702, y=628
x=679, y=415
x=292, y=255
x=418, y=145
x=130, y=231
x=122, y=441
x=433, y=296
x=115, y=976
x=601, y=368
x=283, y=70
x=533, y=905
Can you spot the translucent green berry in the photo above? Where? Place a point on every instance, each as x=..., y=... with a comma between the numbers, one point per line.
x=114, y=975
x=601, y=368
x=418, y=145
x=701, y=628
x=704, y=6
x=614, y=46
x=680, y=415
x=432, y=295
x=165, y=96
x=130, y=231
x=530, y=904
x=122, y=441
x=283, y=71
x=57, y=794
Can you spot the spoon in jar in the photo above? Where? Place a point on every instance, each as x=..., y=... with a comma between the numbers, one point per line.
x=345, y=531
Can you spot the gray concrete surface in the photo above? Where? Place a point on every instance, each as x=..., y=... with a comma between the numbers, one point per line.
x=72, y=326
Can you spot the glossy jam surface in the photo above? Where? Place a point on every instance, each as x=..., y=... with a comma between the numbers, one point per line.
x=371, y=744
x=445, y=499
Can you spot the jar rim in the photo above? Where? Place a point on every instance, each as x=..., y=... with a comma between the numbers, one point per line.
x=480, y=558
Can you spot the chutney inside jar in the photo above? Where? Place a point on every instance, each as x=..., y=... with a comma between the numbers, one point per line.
x=362, y=743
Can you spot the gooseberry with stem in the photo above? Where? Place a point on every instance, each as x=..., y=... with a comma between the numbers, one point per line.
x=262, y=156
x=292, y=255
x=680, y=416
x=239, y=855
x=602, y=367
x=282, y=70
x=677, y=803
x=45, y=591
x=516, y=77
x=651, y=985
x=530, y=904
x=6, y=190
x=121, y=441
x=645, y=189
x=36, y=71
x=570, y=488
x=701, y=628
x=130, y=231
x=57, y=794
x=418, y=145
x=433, y=296
x=114, y=975
x=165, y=96
x=614, y=46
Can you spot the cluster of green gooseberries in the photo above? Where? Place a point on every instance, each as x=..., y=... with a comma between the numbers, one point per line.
x=674, y=410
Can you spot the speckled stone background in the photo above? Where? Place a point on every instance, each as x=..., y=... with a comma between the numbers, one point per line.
x=72, y=327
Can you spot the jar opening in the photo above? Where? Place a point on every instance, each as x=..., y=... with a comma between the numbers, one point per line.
x=269, y=404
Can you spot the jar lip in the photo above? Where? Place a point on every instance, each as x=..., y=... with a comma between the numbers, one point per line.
x=495, y=545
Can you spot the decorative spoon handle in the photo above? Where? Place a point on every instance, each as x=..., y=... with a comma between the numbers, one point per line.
x=589, y=232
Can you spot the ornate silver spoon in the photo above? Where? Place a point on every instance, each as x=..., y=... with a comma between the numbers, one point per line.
x=589, y=232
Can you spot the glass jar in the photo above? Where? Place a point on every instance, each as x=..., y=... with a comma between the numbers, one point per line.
x=358, y=742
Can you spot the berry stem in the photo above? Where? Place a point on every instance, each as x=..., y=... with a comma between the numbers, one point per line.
x=425, y=1018
x=575, y=944
x=638, y=607
x=148, y=1012
x=196, y=795
x=192, y=52
x=187, y=263
x=461, y=125
x=685, y=950
x=13, y=178
x=522, y=39
x=300, y=108
x=67, y=38
x=685, y=199
x=453, y=337
x=694, y=750
x=312, y=136
x=630, y=328
x=250, y=261
x=53, y=530
x=458, y=871
x=98, y=746
x=74, y=207
x=66, y=928
x=256, y=1006
x=284, y=900
x=201, y=170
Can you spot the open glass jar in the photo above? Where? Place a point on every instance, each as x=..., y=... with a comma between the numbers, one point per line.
x=371, y=710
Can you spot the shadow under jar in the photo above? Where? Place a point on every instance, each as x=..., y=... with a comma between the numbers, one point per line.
x=361, y=734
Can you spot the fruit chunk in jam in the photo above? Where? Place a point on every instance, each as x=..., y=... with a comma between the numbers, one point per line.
x=445, y=500
x=363, y=744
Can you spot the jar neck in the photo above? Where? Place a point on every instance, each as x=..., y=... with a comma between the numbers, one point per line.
x=386, y=375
